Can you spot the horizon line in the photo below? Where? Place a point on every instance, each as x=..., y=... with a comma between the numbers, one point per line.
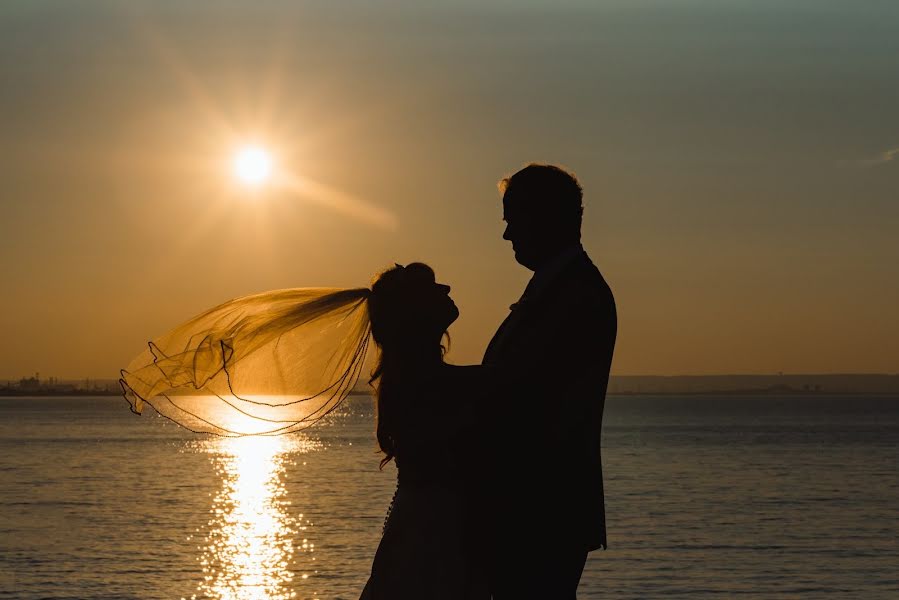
x=731, y=374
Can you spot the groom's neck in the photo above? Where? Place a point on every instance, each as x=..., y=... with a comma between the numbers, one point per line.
x=558, y=253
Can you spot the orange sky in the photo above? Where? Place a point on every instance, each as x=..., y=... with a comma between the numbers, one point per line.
x=741, y=194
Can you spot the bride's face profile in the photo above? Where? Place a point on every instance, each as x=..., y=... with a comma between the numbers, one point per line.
x=437, y=299
x=409, y=307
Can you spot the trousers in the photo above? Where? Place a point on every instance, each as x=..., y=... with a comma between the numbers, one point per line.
x=537, y=573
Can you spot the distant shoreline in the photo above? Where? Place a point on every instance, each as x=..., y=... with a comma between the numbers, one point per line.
x=769, y=393
x=812, y=385
x=5, y=393
x=779, y=384
x=766, y=393
x=50, y=394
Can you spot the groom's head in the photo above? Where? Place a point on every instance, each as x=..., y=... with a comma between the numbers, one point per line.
x=542, y=208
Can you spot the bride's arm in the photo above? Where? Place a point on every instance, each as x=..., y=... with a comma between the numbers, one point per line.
x=471, y=384
x=458, y=394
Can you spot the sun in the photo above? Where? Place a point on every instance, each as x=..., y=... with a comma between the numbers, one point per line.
x=252, y=165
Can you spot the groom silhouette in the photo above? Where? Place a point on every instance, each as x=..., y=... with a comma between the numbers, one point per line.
x=545, y=491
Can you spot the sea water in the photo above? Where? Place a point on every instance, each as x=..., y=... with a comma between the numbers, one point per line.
x=706, y=496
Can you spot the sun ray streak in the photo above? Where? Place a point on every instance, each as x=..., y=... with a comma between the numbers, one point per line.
x=339, y=201
x=166, y=52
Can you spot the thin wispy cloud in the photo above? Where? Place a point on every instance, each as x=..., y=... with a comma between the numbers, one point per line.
x=883, y=158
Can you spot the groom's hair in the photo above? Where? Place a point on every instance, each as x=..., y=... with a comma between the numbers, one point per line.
x=547, y=191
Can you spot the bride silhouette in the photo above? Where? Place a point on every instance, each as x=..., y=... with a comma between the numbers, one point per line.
x=279, y=361
x=424, y=405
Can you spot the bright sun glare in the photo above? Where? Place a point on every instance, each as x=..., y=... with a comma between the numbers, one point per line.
x=252, y=165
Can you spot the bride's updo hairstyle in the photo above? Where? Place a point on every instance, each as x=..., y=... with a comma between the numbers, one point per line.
x=408, y=332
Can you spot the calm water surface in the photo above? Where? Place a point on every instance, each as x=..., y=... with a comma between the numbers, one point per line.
x=706, y=497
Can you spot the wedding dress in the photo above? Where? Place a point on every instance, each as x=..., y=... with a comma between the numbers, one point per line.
x=430, y=549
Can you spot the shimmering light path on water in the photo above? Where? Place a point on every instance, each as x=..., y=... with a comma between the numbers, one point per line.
x=769, y=498
x=250, y=539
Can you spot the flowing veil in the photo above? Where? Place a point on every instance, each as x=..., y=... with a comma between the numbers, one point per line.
x=265, y=364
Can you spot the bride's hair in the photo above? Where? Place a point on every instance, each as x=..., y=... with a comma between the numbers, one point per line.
x=407, y=335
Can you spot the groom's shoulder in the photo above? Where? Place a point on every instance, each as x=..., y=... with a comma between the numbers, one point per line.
x=587, y=281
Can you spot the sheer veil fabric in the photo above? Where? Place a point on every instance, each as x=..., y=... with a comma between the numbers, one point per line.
x=266, y=364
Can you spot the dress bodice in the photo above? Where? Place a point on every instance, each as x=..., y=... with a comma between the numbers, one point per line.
x=426, y=462
x=428, y=443
x=432, y=427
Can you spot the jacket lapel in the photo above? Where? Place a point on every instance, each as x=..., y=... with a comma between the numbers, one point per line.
x=526, y=306
x=495, y=345
x=509, y=327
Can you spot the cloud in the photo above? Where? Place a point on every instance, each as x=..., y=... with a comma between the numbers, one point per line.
x=883, y=158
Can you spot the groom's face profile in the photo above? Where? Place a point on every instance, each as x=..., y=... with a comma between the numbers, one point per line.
x=524, y=231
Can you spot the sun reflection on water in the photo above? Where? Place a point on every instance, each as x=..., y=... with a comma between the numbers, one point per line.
x=252, y=533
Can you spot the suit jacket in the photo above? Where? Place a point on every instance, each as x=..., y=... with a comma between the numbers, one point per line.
x=552, y=356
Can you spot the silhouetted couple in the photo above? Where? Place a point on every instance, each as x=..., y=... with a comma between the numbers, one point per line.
x=500, y=490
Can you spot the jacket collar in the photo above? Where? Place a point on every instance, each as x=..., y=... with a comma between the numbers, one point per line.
x=550, y=270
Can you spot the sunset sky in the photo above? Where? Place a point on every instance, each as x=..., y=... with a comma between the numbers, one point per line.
x=740, y=161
